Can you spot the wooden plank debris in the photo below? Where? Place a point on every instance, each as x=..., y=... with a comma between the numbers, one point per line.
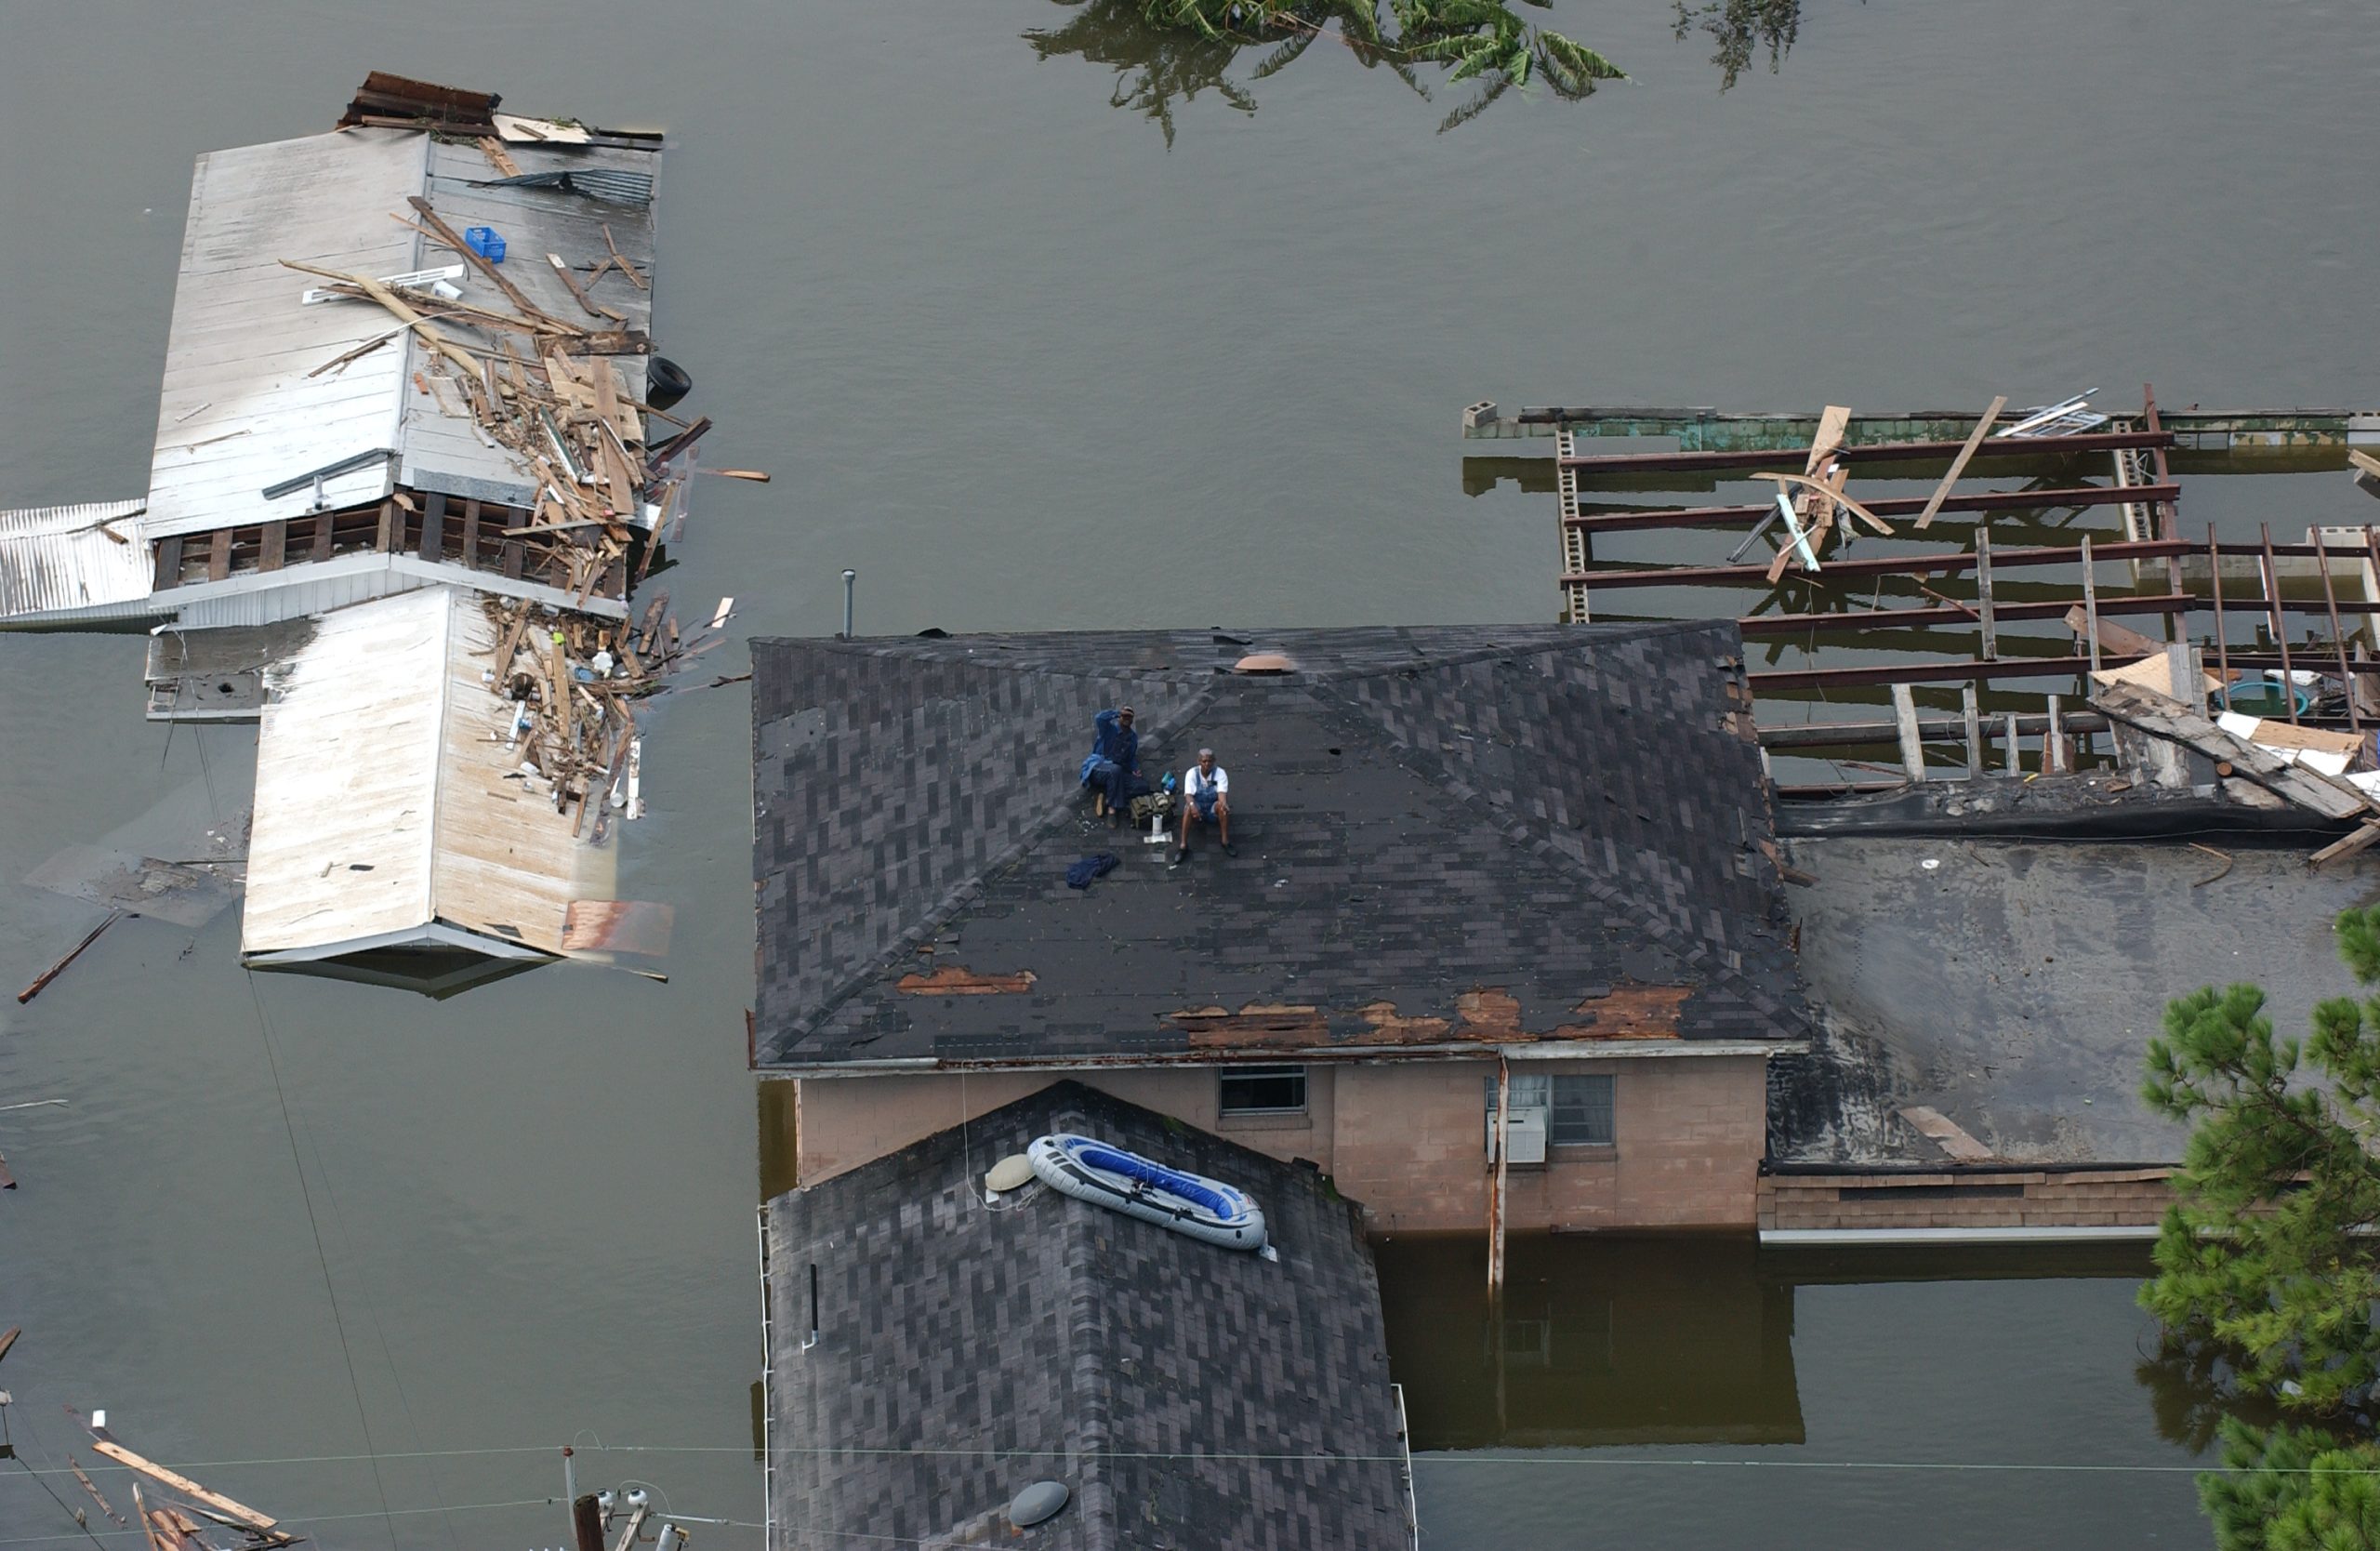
x=240, y=1512
x=41, y=981
x=1958, y=463
x=89, y=1485
x=2162, y=716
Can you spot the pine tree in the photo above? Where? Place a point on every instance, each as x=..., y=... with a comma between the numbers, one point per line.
x=2269, y=1253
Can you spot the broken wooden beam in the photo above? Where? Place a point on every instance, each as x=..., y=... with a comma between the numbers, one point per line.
x=1958, y=463
x=246, y=1517
x=42, y=980
x=2163, y=718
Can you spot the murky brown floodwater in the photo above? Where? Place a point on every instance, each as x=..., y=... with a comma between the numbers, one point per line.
x=1022, y=366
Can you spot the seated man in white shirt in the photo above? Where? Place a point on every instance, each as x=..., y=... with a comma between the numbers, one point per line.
x=1204, y=799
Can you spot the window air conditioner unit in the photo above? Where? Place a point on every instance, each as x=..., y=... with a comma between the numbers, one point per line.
x=1525, y=1135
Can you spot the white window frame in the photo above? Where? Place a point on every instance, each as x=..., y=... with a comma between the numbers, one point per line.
x=1226, y=1109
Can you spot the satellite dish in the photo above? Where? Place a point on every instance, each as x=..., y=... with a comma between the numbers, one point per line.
x=1040, y=1501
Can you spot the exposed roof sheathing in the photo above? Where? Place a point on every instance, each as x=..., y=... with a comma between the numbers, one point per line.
x=1190, y=1397
x=1505, y=835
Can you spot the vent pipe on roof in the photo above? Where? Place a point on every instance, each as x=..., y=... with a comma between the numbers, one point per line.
x=850, y=580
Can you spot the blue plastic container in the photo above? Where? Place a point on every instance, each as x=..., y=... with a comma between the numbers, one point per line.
x=483, y=241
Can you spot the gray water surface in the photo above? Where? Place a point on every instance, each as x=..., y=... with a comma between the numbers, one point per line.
x=1025, y=366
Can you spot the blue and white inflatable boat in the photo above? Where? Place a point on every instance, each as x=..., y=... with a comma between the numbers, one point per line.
x=1092, y=1171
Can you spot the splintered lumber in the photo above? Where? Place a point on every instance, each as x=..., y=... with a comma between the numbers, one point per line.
x=92, y=1487
x=8, y=1339
x=397, y=308
x=140, y=1512
x=497, y=157
x=2114, y=637
x=756, y=475
x=2367, y=470
x=1847, y=503
x=2162, y=716
x=1958, y=463
x=240, y=1512
x=2357, y=839
x=623, y=265
x=41, y=981
x=561, y=270
x=472, y=256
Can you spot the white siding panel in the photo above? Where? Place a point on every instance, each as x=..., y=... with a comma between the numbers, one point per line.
x=347, y=780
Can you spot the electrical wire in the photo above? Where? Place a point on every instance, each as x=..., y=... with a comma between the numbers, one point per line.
x=339, y=1321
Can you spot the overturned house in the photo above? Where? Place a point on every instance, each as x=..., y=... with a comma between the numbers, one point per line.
x=414, y=455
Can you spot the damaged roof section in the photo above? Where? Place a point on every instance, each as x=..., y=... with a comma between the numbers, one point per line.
x=392, y=809
x=1448, y=838
x=930, y=1356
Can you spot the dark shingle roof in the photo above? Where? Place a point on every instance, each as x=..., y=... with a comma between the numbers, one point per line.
x=965, y=1351
x=1444, y=834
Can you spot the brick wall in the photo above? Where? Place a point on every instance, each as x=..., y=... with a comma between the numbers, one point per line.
x=1406, y=1139
x=1970, y=1199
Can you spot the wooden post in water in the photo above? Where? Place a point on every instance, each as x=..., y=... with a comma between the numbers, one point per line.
x=2091, y=603
x=1983, y=591
x=1912, y=748
x=1496, y=1181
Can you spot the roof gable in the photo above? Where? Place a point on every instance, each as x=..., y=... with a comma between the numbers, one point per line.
x=1446, y=836
x=965, y=1350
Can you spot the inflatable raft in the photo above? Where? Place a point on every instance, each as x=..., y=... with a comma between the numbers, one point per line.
x=1092, y=1171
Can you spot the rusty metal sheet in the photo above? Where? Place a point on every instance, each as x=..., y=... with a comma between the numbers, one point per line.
x=617, y=926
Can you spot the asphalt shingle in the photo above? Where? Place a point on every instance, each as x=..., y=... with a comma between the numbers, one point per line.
x=1467, y=832
x=1190, y=1397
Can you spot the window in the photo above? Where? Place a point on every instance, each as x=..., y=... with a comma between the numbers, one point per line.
x=1582, y=1111
x=1263, y=1091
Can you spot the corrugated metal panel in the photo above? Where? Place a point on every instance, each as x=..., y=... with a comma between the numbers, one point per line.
x=239, y=411
x=441, y=449
x=385, y=803
x=59, y=565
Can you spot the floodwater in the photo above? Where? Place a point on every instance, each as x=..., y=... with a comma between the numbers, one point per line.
x=1024, y=364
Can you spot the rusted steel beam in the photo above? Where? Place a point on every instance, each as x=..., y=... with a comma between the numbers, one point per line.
x=1939, y=729
x=1884, y=565
x=1955, y=671
x=1888, y=618
x=1877, y=452
x=1895, y=505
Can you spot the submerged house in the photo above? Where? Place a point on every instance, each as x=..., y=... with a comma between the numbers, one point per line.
x=936, y=1353
x=408, y=469
x=1526, y=861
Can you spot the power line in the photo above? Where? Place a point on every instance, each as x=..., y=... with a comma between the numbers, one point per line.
x=264, y=1032
x=1225, y=1457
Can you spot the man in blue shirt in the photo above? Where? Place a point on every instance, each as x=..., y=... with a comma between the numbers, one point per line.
x=1114, y=760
